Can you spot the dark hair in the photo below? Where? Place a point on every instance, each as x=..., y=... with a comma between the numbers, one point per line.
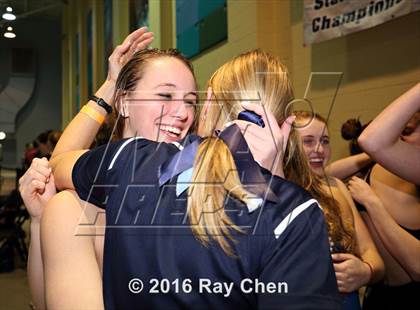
x=350, y=131
x=103, y=135
x=53, y=137
x=132, y=72
x=43, y=137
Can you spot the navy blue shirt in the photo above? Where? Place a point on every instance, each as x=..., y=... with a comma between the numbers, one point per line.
x=281, y=261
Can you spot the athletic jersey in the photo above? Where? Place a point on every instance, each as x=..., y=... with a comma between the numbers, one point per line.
x=281, y=261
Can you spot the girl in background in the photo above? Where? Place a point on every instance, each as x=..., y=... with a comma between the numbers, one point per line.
x=356, y=260
x=391, y=198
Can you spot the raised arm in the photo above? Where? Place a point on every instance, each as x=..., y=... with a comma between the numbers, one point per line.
x=36, y=187
x=402, y=246
x=81, y=131
x=381, y=139
x=346, y=167
x=267, y=144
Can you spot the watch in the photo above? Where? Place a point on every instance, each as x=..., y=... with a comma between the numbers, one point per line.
x=102, y=103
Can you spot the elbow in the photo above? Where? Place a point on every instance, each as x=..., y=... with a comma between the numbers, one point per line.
x=59, y=172
x=59, y=186
x=53, y=162
x=366, y=143
x=415, y=274
x=376, y=264
x=379, y=272
x=59, y=178
x=416, y=278
x=60, y=183
x=411, y=265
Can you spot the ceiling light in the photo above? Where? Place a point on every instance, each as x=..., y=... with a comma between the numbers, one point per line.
x=9, y=14
x=2, y=135
x=9, y=33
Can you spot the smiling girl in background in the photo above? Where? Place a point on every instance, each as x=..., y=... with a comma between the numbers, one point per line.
x=356, y=260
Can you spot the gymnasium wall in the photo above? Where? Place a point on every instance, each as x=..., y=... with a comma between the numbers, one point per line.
x=373, y=66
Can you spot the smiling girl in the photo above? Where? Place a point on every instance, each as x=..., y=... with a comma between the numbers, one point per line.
x=356, y=260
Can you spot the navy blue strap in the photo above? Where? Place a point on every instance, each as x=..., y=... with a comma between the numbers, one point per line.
x=249, y=172
x=251, y=116
x=181, y=161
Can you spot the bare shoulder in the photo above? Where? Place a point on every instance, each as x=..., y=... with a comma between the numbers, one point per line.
x=337, y=185
x=380, y=174
x=341, y=186
x=63, y=209
x=384, y=180
x=338, y=190
x=61, y=201
x=399, y=197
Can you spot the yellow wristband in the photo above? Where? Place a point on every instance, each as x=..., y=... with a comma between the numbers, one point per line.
x=93, y=114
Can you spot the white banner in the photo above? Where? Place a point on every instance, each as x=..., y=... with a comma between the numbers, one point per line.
x=328, y=19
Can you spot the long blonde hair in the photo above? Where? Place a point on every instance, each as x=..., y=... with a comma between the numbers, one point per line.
x=341, y=232
x=255, y=75
x=214, y=175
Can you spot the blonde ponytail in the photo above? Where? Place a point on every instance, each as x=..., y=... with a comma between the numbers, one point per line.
x=257, y=74
x=214, y=176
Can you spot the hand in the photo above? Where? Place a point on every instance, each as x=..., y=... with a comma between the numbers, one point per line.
x=134, y=42
x=362, y=192
x=351, y=272
x=36, y=187
x=267, y=144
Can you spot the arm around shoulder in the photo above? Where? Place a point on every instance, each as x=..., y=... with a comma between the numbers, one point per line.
x=62, y=166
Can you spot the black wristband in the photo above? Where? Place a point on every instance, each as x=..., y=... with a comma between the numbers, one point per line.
x=102, y=103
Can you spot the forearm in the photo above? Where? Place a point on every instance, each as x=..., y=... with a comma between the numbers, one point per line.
x=35, y=267
x=367, y=249
x=377, y=272
x=62, y=166
x=402, y=246
x=81, y=131
x=385, y=129
x=346, y=167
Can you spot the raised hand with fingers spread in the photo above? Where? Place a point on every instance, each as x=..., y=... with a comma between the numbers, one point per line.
x=134, y=42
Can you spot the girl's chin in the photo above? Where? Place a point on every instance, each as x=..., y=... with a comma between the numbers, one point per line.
x=318, y=169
